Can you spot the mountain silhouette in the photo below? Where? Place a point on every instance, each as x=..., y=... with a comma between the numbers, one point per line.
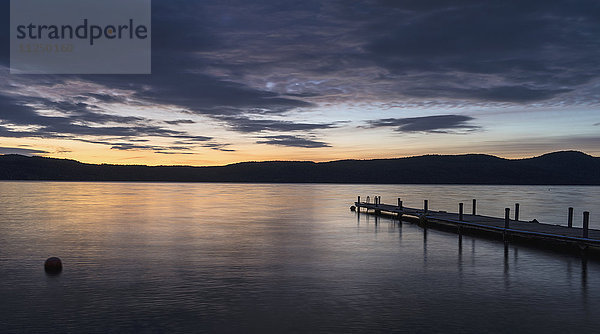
x=565, y=167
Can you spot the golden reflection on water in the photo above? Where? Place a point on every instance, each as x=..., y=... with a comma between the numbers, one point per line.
x=189, y=256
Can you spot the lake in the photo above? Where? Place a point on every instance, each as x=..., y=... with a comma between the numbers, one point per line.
x=215, y=257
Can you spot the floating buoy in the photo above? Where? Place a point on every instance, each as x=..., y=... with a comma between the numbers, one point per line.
x=53, y=265
x=353, y=208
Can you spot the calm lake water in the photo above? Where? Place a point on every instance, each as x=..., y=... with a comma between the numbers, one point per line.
x=174, y=257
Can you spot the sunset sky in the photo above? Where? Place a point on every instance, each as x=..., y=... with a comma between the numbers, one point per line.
x=325, y=80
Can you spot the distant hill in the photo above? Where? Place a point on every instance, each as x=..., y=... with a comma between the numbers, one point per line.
x=567, y=167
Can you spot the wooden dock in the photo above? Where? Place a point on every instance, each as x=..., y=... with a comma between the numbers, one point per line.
x=508, y=229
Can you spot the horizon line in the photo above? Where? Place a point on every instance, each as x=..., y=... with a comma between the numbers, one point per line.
x=306, y=161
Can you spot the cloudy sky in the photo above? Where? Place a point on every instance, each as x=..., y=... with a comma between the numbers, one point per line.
x=324, y=80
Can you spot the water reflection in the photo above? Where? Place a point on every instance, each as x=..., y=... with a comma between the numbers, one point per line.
x=506, y=265
x=510, y=268
x=425, y=246
x=244, y=258
x=460, y=257
x=400, y=230
x=584, y=275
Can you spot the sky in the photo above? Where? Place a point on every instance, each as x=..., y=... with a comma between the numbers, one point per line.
x=324, y=80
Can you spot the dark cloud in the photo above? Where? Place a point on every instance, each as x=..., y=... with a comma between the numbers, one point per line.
x=172, y=152
x=218, y=147
x=238, y=58
x=5, y=33
x=292, y=141
x=434, y=124
x=495, y=94
x=180, y=29
x=192, y=138
x=155, y=148
x=248, y=65
x=180, y=121
x=16, y=112
x=201, y=94
x=22, y=151
x=212, y=97
x=474, y=51
x=79, y=121
x=83, y=124
x=10, y=133
x=215, y=58
x=131, y=146
x=303, y=94
x=526, y=48
x=84, y=112
x=202, y=142
x=179, y=145
x=106, y=98
x=248, y=125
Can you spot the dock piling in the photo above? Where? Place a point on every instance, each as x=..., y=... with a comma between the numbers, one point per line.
x=570, y=219
x=586, y=223
x=474, y=207
x=580, y=237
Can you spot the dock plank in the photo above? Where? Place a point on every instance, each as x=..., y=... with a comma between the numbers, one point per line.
x=524, y=228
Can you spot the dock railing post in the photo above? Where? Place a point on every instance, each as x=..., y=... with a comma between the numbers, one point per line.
x=358, y=200
x=474, y=207
x=516, y=212
x=425, y=206
x=506, y=217
x=460, y=211
x=399, y=203
x=570, y=219
x=586, y=223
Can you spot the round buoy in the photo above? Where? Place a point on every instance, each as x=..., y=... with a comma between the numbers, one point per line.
x=352, y=208
x=53, y=265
